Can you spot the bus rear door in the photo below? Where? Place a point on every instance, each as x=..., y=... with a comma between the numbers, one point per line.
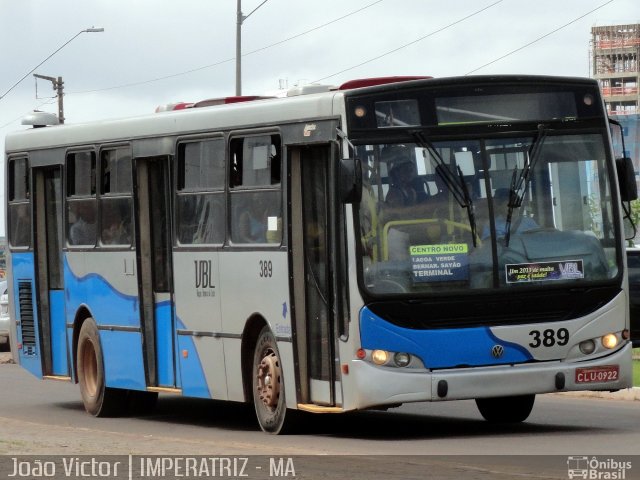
x=49, y=272
x=153, y=239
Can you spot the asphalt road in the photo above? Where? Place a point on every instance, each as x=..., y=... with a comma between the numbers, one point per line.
x=47, y=417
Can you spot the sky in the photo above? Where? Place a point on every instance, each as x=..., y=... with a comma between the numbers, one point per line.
x=154, y=52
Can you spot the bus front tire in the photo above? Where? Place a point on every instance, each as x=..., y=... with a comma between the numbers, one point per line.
x=99, y=400
x=268, y=384
x=506, y=409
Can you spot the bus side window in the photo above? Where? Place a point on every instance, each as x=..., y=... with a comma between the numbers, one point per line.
x=200, y=204
x=19, y=206
x=115, y=197
x=256, y=205
x=81, y=198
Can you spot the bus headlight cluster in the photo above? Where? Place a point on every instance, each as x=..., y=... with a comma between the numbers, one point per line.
x=383, y=357
x=608, y=342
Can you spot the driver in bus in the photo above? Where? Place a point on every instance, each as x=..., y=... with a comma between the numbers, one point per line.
x=405, y=188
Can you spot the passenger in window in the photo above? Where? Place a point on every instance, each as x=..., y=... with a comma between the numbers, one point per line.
x=115, y=227
x=253, y=222
x=83, y=229
x=258, y=220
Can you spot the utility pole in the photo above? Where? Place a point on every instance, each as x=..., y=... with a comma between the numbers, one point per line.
x=240, y=18
x=58, y=86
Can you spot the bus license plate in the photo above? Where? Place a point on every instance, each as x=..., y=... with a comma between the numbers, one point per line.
x=606, y=373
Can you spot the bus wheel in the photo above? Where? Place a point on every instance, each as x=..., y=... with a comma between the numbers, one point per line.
x=506, y=409
x=268, y=384
x=98, y=399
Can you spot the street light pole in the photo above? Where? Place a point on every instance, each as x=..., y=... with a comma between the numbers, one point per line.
x=240, y=18
x=58, y=86
x=86, y=30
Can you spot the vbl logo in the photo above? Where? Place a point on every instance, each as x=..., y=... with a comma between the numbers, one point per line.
x=204, y=274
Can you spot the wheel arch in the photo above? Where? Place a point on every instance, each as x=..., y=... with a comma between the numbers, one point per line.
x=250, y=334
x=81, y=315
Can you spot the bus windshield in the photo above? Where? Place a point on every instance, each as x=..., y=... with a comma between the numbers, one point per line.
x=486, y=213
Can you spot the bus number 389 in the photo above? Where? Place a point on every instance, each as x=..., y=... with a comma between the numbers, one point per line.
x=265, y=269
x=549, y=337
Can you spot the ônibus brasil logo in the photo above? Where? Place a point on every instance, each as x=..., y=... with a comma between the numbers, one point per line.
x=597, y=468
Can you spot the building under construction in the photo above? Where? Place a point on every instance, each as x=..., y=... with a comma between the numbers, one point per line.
x=615, y=55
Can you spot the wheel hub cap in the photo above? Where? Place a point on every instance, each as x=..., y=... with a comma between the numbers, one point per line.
x=268, y=380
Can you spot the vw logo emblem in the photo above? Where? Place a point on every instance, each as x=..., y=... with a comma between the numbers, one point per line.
x=497, y=351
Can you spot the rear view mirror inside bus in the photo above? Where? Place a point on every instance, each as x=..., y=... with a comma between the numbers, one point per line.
x=626, y=179
x=350, y=180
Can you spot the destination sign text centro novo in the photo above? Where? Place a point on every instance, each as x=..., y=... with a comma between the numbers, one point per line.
x=437, y=249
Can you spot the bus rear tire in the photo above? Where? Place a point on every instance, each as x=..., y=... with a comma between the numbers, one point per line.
x=268, y=384
x=506, y=409
x=98, y=399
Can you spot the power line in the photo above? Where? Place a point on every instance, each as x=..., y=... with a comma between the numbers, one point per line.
x=410, y=43
x=87, y=30
x=539, y=38
x=166, y=77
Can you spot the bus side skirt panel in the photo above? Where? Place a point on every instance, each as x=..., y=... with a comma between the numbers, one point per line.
x=118, y=348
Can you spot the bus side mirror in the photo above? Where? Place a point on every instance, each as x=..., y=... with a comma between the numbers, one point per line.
x=350, y=180
x=626, y=179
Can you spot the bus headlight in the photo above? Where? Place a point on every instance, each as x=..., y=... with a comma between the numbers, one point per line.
x=379, y=357
x=610, y=341
x=402, y=359
x=587, y=347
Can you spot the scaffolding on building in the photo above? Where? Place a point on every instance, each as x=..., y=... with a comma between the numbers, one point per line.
x=615, y=56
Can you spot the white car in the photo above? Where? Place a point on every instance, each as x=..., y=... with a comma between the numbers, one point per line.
x=4, y=313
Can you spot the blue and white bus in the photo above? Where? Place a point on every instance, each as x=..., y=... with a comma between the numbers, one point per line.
x=391, y=240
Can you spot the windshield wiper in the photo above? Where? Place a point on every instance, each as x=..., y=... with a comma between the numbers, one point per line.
x=456, y=184
x=519, y=183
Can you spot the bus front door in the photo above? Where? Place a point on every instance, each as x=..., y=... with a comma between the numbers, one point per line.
x=313, y=247
x=153, y=239
x=49, y=270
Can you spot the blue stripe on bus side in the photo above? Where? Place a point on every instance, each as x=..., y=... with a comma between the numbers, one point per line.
x=23, y=269
x=438, y=348
x=122, y=309
x=122, y=351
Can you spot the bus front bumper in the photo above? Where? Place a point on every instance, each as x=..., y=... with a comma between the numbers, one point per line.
x=378, y=386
